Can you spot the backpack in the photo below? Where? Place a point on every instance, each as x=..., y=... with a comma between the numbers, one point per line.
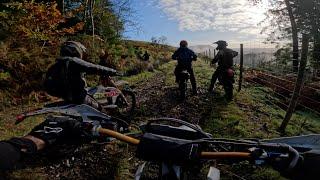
x=56, y=79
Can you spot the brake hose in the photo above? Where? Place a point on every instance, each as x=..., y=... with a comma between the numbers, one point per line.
x=192, y=126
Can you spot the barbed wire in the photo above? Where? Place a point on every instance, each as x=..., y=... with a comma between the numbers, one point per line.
x=281, y=95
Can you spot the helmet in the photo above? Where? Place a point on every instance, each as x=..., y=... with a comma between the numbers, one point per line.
x=183, y=43
x=73, y=49
x=221, y=44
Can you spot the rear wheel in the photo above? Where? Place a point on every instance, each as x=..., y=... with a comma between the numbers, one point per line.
x=183, y=88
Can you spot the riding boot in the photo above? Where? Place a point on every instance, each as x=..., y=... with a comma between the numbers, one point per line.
x=214, y=78
x=228, y=92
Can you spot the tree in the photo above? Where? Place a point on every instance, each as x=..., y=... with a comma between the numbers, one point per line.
x=280, y=14
x=303, y=16
x=295, y=40
x=298, y=85
x=154, y=40
x=159, y=40
x=163, y=40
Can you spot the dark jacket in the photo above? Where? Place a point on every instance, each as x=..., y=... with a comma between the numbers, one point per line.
x=184, y=56
x=65, y=79
x=225, y=58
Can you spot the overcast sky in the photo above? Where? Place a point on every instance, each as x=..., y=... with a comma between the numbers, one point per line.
x=199, y=21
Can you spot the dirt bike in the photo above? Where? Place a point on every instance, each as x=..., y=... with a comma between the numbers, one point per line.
x=181, y=149
x=121, y=99
x=183, y=78
x=226, y=79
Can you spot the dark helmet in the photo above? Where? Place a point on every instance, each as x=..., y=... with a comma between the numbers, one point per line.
x=73, y=49
x=221, y=44
x=183, y=43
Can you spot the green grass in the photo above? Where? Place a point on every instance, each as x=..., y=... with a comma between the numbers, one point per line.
x=8, y=129
x=136, y=79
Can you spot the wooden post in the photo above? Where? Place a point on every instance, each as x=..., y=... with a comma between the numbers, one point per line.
x=241, y=67
x=299, y=83
x=214, y=53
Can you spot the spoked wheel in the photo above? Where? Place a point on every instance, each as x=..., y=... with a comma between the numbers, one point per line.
x=126, y=105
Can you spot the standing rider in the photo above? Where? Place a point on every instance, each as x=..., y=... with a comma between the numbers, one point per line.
x=185, y=56
x=65, y=79
x=224, y=70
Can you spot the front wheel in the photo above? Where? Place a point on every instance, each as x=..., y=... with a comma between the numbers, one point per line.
x=127, y=104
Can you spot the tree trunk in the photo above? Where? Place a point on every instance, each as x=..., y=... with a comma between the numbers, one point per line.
x=92, y=19
x=85, y=15
x=295, y=40
x=316, y=39
x=316, y=52
x=298, y=85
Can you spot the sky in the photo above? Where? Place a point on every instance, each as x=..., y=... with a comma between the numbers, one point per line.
x=201, y=22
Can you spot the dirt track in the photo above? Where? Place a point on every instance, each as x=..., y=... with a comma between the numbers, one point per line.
x=159, y=99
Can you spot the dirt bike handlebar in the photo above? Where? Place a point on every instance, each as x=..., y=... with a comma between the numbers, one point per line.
x=203, y=155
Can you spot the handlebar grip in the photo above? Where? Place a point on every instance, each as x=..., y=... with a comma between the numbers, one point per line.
x=117, y=135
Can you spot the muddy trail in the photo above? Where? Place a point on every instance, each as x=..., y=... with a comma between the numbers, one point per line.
x=160, y=99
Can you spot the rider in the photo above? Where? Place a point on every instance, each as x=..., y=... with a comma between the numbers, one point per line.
x=146, y=56
x=65, y=79
x=185, y=56
x=225, y=68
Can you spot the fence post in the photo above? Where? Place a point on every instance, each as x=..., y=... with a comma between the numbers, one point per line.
x=241, y=67
x=214, y=53
x=298, y=85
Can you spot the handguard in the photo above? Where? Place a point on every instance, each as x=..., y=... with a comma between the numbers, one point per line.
x=159, y=148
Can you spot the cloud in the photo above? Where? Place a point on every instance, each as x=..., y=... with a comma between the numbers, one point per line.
x=221, y=15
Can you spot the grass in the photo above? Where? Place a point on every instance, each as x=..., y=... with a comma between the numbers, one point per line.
x=136, y=79
x=7, y=119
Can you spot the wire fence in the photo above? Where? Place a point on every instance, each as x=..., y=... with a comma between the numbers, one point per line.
x=274, y=68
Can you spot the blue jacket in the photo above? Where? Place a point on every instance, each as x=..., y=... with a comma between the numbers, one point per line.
x=184, y=56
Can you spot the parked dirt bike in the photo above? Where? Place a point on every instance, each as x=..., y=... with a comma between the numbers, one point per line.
x=121, y=99
x=183, y=78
